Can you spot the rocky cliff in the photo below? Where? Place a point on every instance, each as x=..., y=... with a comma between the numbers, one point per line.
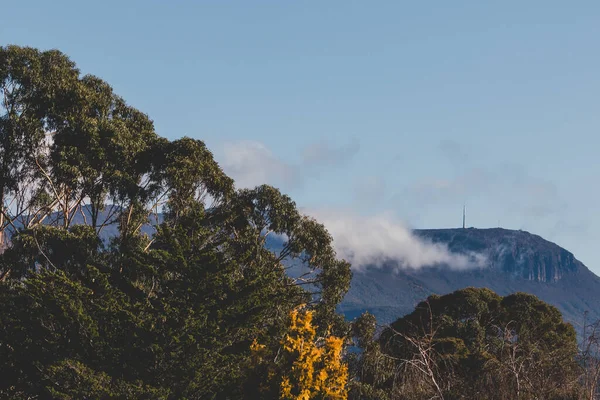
x=517, y=253
x=514, y=261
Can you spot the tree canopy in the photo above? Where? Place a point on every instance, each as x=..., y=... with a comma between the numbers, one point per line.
x=472, y=343
x=170, y=314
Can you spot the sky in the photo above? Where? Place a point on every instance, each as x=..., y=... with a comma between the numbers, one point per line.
x=380, y=111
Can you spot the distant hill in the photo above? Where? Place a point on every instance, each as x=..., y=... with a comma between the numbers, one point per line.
x=516, y=261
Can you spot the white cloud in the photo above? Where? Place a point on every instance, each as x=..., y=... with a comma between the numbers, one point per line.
x=251, y=163
x=375, y=240
x=506, y=187
x=363, y=241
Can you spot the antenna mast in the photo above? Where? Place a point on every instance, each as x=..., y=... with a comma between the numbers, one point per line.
x=464, y=214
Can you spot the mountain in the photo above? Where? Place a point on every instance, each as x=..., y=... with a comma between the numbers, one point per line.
x=516, y=261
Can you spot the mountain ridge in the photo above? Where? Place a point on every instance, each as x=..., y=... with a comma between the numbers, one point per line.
x=516, y=261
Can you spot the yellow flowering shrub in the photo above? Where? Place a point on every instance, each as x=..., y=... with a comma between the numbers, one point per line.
x=317, y=370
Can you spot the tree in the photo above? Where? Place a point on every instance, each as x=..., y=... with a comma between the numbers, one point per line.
x=475, y=344
x=27, y=115
x=372, y=371
x=169, y=305
x=590, y=358
x=307, y=366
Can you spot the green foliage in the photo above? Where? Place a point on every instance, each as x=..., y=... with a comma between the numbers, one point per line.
x=171, y=316
x=372, y=370
x=472, y=344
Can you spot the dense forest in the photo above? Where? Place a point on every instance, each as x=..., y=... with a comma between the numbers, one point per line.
x=191, y=304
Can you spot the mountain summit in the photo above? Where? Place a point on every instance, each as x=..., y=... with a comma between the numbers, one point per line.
x=517, y=253
x=515, y=261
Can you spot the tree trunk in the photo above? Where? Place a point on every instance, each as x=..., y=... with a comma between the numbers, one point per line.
x=2, y=226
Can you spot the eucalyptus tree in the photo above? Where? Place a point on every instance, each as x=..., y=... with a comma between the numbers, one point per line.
x=471, y=343
x=166, y=315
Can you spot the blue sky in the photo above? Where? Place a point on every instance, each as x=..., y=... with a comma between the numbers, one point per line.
x=407, y=109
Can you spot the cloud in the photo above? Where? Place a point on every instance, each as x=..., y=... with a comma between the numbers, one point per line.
x=363, y=241
x=375, y=240
x=251, y=163
x=509, y=186
x=504, y=194
x=457, y=188
x=324, y=153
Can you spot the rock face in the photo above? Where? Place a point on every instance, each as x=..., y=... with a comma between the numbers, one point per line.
x=516, y=261
x=517, y=253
